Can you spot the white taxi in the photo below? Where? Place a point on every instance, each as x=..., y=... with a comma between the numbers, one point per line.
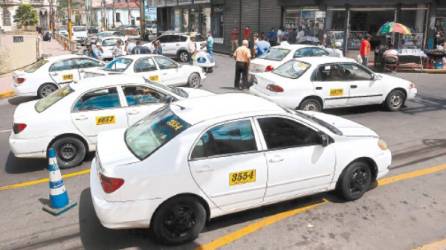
x=155, y=68
x=70, y=118
x=328, y=82
x=201, y=158
x=107, y=44
x=46, y=75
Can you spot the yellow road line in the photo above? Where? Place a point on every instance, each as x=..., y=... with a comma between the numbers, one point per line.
x=6, y=94
x=437, y=245
x=43, y=180
x=251, y=228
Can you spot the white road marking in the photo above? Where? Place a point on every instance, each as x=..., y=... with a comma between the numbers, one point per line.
x=5, y=131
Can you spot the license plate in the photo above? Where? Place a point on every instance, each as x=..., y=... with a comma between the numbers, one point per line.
x=102, y=120
x=336, y=92
x=242, y=177
x=67, y=77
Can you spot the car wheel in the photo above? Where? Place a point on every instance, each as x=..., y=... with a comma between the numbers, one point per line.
x=194, y=80
x=395, y=100
x=183, y=56
x=70, y=151
x=311, y=104
x=179, y=220
x=46, y=89
x=354, y=181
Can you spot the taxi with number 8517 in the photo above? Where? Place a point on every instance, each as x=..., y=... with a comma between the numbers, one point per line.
x=70, y=118
x=200, y=158
x=317, y=83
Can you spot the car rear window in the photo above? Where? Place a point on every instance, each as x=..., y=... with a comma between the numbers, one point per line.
x=52, y=98
x=276, y=54
x=35, y=66
x=152, y=132
x=292, y=69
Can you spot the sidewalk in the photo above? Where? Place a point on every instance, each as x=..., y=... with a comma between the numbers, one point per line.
x=52, y=48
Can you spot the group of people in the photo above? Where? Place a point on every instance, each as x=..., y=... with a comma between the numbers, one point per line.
x=95, y=50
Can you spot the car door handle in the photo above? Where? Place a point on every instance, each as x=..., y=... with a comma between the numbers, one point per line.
x=353, y=86
x=54, y=74
x=81, y=118
x=275, y=159
x=133, y=112
x=204, y=169
x=318, y=88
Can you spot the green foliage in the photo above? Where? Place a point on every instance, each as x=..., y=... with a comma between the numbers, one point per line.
x=25, y=15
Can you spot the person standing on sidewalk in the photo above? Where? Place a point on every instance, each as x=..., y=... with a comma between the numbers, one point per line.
x=234, y=39
x=242, y=56
x=364, y=50
x=210, y=44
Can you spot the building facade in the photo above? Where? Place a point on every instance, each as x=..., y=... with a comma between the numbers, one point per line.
x=9, y=7
x=115, y=13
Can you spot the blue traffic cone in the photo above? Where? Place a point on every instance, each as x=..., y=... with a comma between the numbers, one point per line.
x=59, y=201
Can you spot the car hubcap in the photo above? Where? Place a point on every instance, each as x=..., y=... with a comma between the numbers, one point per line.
x=184, y=57
x=395, y=100
x=179, y=221
x=67, y=151
x=195, y=81
x=311, y=107
x=359, y=181
x=46, y=90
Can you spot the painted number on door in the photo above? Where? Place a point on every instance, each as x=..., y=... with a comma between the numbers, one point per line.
x=102, y=120
x=336, y=92
x=154, y=78
x=68, y=77
x=242, y=177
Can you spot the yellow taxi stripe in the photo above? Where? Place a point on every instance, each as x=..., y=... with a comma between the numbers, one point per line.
x=43, y=180
x=244, y=231
x=437, y=245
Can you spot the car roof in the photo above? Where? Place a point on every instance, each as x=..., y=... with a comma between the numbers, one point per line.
x=137, y=56
x=61, y=57
x=104, y=81
x=293, y=46
x=200, y=109
x=317, y=60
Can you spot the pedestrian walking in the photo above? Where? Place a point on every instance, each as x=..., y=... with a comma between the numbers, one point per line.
x=272, y=37
x=279, y=35
x=157, y=48
x=247, y=33
x=242, y=56
x=262, y=46
x=210, y=44
x=292, y=35
x=139, y=49
x=118, y=51
x=97, y=51
x=364, y=50
x=234, y=39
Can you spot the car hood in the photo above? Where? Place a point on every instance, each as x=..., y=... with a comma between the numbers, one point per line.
x=193, y=93
x=347, y=127
x=112, y=151
x=393, y=79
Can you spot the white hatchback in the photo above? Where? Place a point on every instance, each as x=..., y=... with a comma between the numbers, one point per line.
x=205, y=157
x=155, y=68
x=329, y=82
x=48, y=74
x=70, y=118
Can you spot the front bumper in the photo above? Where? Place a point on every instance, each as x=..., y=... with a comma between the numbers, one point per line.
x=383, y=162
x=29, y=148
x=119, y=214
x=412, y=93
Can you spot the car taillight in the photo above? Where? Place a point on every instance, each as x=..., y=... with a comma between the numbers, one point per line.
x=20, y=80
x=109, y=184
x=18, y=127
x=274, y=88
x=269, y=68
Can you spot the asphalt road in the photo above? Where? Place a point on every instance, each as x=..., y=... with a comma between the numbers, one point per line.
x=401, y=215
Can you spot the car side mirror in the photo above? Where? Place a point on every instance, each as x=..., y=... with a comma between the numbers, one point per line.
x=324, y=139
x=168, y=99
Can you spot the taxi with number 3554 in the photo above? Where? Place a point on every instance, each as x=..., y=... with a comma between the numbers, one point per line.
x=200, y=158
x=70, y=118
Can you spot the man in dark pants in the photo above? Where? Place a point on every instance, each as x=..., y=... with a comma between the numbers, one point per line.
x=242, y=56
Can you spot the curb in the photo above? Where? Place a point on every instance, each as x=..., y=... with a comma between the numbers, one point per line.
x=6, y=94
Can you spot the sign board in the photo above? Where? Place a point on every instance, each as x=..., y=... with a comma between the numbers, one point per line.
x=17, y=39
x=150, y=13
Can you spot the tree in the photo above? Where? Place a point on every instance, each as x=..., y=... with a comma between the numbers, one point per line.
x=25, y=15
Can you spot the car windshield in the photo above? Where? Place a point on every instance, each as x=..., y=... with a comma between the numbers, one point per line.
x=110, y=42
x=316, y=120
x=118, y=65
x=35, y=66
x=104, y=34
x=276, y=54
x=52, y=98
x=78, y=29
x=292, y=69
x=175, y=90
x=147, y=135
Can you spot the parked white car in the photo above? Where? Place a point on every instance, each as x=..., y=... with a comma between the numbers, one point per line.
x=285, y=52
x=107, y=44
x=202, y=158
x=323, y=83
x=80, y=33
x=155, y=68
x=70, y=118
x=177, y=45
x=48, y=74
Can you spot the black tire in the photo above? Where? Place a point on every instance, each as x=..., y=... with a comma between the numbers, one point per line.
x=70, y=151
x=194, y=80
x=183, y=56
x=354, y=181
x=46, y=89
x=395, y=100
x=179, y=220
x=311, y=104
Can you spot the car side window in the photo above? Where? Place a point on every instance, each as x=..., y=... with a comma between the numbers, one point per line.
x=356, y=73
x=83, y=63
x=165, y=63
x=144, y=65
x=319, y=52
x=303, y=52
x=67, y=64
x=139, y=95
x=229, y=138
x=107, y=98
x=285, y=133
x=182, y=38
x=331, y=73
x=165, y=39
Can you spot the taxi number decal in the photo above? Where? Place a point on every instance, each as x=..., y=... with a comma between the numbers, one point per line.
x=154, y=78
x=68, y=77
x=336, y=92
x=102, y=120
x=174, y=124
x=242, y=177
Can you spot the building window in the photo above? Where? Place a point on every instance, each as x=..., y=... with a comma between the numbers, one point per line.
x=118, y=17
x=6, y=17
x=217, y=21
x=335, y=21
x=308, y=23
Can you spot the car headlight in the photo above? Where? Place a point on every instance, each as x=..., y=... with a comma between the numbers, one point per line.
x=382, y=144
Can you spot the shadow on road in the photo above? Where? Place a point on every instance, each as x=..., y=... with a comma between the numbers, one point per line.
x=21, y=99
x=23, y=165
x=95, y=236
x=425, y=104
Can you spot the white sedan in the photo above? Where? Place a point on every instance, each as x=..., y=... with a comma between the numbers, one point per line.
x=285, y=52
x=324, y=83
x=206, y=157
x=46, y=75
x=107, y=44
x=70, y=118
x=155, y=68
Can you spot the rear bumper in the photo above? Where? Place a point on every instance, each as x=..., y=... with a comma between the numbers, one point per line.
x=24, y=89
x=286, y=101
x=29, y=148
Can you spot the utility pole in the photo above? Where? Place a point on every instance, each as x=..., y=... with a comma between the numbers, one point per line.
x=142, y=19
x=52, y=28
x=103, y=14
x=114, y=14
x=69, y=24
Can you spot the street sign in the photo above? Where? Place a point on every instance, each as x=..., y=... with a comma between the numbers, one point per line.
x=150, y=13
x=17, y=39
